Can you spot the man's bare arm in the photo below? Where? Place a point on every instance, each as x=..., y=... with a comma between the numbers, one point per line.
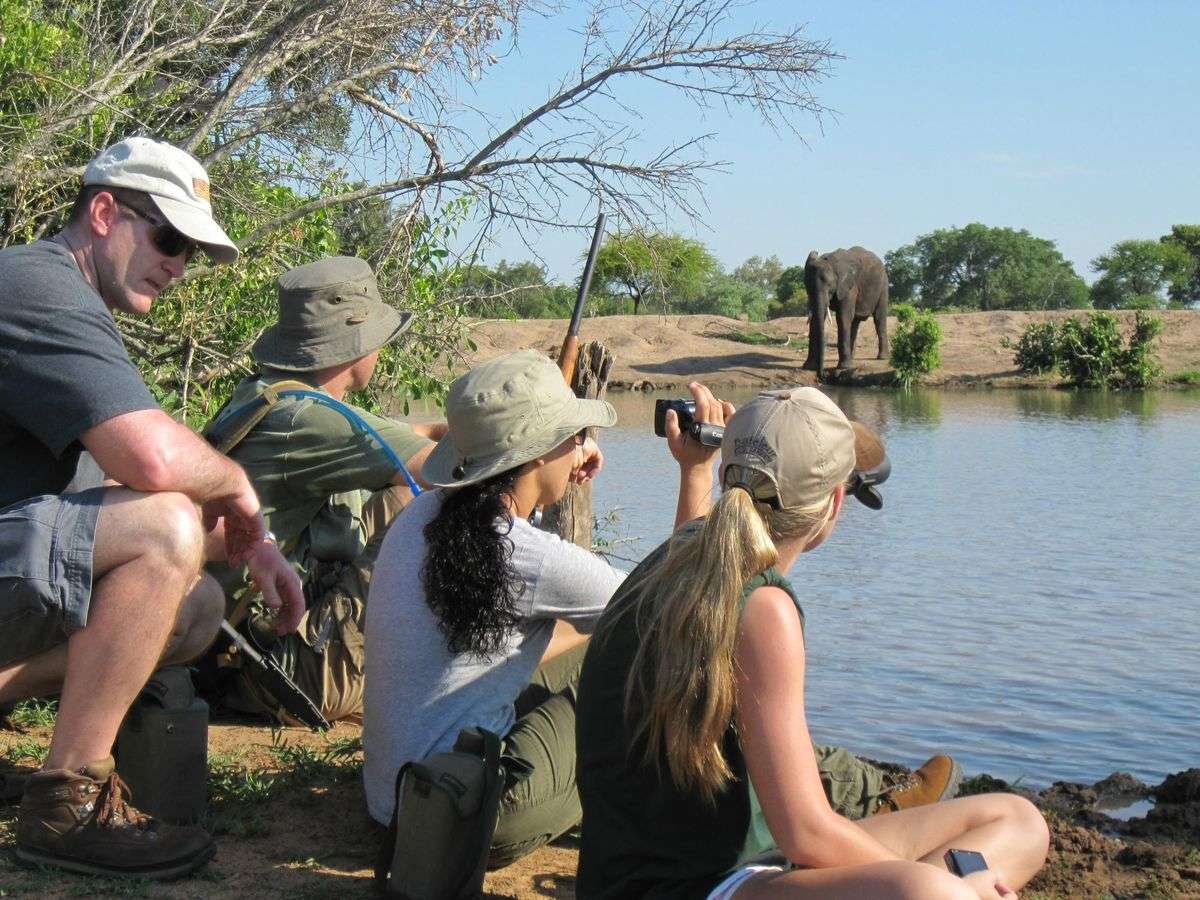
x=149, y=451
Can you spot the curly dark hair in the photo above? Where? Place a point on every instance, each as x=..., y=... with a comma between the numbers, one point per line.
x=468, y=579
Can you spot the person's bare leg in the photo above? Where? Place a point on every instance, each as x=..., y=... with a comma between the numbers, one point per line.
x=195, y=626
x=898, y=880
x=1008, y=830
x=564, y=640
x=147, y=556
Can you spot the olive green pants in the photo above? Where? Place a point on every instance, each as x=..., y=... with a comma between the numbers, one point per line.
x=325, y=655
x=541, y=800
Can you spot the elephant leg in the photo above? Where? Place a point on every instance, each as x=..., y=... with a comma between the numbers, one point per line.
x=854, y=334
x=885, y=346
x=846, y=328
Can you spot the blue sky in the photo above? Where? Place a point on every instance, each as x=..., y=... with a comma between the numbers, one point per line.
x=1078, y=121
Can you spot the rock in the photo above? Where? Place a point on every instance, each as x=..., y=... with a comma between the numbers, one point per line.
x=1121, y=785
x=1182, y=787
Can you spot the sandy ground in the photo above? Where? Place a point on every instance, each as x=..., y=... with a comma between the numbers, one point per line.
x=668, y=351
x=290, y=821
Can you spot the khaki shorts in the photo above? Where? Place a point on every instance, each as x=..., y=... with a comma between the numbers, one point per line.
x=45, y=571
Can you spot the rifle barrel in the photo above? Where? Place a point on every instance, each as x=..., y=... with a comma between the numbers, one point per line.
x=586, y=281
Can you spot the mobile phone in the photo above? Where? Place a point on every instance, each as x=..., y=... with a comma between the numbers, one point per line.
x=964, y=862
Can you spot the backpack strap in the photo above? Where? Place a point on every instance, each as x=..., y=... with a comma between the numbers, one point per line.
x=387, y=846
x=230, y=427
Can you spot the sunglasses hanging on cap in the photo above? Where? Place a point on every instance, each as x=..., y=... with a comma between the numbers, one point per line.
x=167, y=240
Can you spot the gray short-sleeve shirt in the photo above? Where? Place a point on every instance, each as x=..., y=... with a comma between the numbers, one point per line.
x=63, y=369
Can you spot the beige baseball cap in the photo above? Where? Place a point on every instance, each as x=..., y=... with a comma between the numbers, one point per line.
x=803, y=444
x=175, y=181
x=330, y=312
x=504, y=413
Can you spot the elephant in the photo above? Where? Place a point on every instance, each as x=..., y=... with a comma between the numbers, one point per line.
x=854, y=284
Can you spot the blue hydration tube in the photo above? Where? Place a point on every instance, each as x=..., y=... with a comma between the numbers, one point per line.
x=357, y=422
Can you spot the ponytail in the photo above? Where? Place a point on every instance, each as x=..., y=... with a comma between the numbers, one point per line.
x=679, y=697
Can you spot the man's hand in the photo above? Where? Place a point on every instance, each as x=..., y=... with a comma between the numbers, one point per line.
x=281, y=589
x=244, y=529
x=688, y=451
x=593, y=462
x=988, y=886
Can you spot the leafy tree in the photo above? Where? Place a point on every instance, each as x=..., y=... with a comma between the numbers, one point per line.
x=1135, y=270
x=916, y=345
x=514, y=291
x=273, y=94
x=984, y=268
x=727, y=295
x=762, y=273
x=791, y=298
x=662, y=270
x=790, y=284
x=1188, y=237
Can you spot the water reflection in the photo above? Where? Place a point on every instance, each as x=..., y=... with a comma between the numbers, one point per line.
x=1024, y=600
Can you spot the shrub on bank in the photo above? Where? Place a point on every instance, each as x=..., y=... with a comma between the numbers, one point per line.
x=916, y=345
x=1089, y=352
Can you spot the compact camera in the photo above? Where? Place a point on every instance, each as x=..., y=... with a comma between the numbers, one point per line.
x=709, y=435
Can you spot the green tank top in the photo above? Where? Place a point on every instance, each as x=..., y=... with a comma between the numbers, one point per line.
x=642, y=837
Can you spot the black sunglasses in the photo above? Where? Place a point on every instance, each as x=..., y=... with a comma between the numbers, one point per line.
x=167, y=239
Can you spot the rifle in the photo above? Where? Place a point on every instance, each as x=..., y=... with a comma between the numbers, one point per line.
x=272, y=677
x=568, y=356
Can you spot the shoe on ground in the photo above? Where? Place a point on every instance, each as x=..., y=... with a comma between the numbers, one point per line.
x=81, y=821
x=936, y=779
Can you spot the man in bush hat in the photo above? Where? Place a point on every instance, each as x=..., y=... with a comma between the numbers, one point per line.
x=101, y=575
x=329, y=487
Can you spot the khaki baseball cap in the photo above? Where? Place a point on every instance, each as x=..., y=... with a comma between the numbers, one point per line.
x=175, y=181
x=802, y=443
x=504, y=413
x=330, y=312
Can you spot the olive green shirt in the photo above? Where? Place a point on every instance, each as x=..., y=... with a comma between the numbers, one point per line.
x=313, y=472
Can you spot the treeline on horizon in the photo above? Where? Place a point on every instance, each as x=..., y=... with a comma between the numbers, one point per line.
x=975, y=267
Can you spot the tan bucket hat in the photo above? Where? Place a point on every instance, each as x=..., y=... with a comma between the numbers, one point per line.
x=330, y=312
x=802, y=442
x=175, y=181
x=504, y=413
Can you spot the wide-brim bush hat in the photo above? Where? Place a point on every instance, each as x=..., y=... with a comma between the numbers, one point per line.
x=176, y=182
x=505, y=413
x=804, y=445
x=330, y=313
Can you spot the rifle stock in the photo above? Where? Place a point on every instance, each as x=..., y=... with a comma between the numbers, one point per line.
x=568, y=356
x=269, y=674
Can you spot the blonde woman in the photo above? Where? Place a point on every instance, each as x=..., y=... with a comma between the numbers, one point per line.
x=695, y=765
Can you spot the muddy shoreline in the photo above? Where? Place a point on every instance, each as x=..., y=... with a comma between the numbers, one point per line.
x=665, y=352
x=290, y=820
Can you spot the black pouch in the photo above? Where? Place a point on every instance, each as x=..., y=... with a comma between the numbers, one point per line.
x=436, y=847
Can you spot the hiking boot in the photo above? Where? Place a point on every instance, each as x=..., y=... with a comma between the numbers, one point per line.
x=937, y=779
x=81, y=821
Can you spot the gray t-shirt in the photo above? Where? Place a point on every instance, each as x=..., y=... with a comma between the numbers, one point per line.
x=63, y=369
x=418, y=695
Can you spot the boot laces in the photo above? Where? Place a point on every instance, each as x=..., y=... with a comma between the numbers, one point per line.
x=115, y=811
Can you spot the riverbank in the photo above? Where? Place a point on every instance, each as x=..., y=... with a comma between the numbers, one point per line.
x=289, y=819
x=667, y=351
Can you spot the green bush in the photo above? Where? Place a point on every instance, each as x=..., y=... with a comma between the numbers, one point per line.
x=902, y=311
x=915, y=345
x=1089, y=352
x=1037, y=350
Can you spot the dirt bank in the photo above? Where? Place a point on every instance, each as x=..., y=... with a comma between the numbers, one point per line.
x=667, y=351
x=290, y=821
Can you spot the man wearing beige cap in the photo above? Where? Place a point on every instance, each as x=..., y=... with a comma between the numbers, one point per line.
x=100, y=571
x=329, y=486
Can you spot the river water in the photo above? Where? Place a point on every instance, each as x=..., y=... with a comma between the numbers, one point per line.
x=1026, y=600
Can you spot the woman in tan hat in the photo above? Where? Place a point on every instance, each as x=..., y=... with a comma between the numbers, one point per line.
x=696, y=769
x=477, y=618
